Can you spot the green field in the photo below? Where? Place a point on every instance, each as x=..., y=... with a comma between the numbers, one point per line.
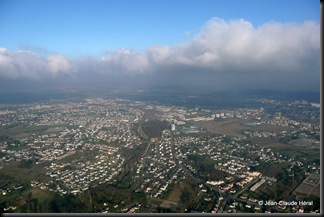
x=37, y=193
x=21, y=131
x=22, y=175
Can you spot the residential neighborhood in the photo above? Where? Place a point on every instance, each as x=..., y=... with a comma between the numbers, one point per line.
x=86, y=144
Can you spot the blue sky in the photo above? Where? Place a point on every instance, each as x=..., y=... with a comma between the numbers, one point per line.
x=210, y=44
x=78, y=27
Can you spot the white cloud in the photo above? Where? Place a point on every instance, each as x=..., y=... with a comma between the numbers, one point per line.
x=57, y=63
x=27, y=64
x=125, y=61
x=221, y=48
x=238, y=45
x=7, y=63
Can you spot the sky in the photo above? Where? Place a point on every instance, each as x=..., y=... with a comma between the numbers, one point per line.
x=210, y=45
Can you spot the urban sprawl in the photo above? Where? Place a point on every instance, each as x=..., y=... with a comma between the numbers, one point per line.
x=191, y=165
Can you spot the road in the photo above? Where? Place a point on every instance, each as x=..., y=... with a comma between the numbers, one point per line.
x=146, y=149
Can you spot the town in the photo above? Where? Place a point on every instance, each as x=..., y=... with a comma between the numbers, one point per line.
x=159, y=158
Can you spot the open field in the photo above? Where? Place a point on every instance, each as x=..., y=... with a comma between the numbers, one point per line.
x=235, y=126
x=22, y=175
x=267, y=142
x=163, y=203
x=175, y=195
x=41, y=195
x=20, y=131
x=169, y=204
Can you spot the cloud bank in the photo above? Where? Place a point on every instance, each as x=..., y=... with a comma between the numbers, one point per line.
x=223, y=55
x=26, y=64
